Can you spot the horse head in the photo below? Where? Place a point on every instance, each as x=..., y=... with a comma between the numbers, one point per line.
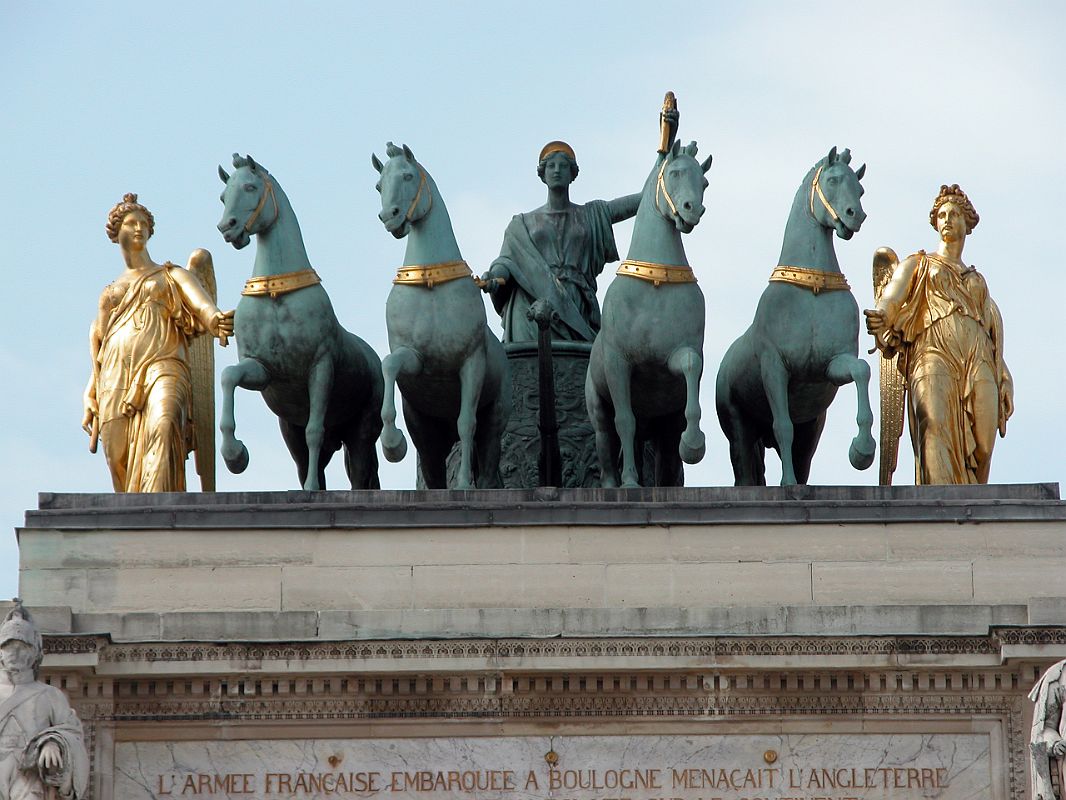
x=834, y=194
x=250, y=204
x=680, y=185
x=405, y=196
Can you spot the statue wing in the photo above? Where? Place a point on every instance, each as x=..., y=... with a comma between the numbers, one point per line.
x=893, y=385
x=202, y=367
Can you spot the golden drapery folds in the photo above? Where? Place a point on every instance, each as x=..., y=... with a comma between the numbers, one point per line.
x=937, y=314
x=140, y=395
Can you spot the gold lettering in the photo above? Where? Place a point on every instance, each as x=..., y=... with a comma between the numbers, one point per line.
x=161, y=789
x=531, y=781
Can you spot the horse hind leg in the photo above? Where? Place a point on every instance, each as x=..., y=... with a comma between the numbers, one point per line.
x=618, y=374
x=401, y=361
x=846, y=368
x=247, y=374
x=688, y=363
x=745, y=447
x=775, y=385
x=319, y=389
x=804, y=444
x=603, y=427
x=471, y=382
x=360, y=455
x=296, y=441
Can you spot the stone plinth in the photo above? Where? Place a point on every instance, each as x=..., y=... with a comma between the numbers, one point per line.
x=688, y=561
x=815, y=642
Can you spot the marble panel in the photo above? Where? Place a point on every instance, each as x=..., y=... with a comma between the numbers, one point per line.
x=778, y=765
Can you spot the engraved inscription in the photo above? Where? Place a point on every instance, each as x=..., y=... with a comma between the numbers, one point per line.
x=858, y=766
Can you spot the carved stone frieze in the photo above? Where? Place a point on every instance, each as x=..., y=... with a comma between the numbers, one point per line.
x=576, y=648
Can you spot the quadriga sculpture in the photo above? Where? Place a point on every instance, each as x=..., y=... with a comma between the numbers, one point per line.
x=323, y=382
x=644, y=372
x=451, y=369
x=777, y=380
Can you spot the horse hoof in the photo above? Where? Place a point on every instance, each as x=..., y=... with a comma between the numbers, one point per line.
x=861, y=452
x=692, y=450
x=630, y=485
x=394, y=446
x=236, y=457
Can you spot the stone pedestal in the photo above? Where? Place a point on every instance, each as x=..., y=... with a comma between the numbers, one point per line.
x=814, y=642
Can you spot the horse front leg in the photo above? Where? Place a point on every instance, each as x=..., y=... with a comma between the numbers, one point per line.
x=687, y=362
x=846, y=368
x=319, y=389
x=618, y=374
x=471, y=380
x=401, y=361
x=775, y=384
x=248, y=374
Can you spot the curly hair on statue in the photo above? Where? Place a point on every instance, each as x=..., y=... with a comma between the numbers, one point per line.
x=957, y=196
x=118, y=213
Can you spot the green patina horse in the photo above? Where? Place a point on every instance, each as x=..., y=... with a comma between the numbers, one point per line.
x=323, y=382
x=451, y=369
x=644, y=371
x=777, y=380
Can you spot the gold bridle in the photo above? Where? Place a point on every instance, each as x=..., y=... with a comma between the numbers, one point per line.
x=816, y=188
x=268, y=189
x=660, y=186
x=418, y=196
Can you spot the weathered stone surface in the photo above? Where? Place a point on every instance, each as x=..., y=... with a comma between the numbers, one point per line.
x=668, y=549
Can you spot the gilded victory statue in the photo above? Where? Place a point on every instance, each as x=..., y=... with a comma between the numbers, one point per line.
x=934, y=317
x=140, y=397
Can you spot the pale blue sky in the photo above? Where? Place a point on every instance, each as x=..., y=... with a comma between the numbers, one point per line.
x=101, y=99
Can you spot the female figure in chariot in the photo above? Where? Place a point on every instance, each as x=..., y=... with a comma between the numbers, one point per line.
x=555, y=253
x=937, y=314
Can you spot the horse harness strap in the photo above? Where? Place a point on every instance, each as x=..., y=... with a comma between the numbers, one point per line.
x=660, y=186
x=657, y=274
x=430, y=275
x=268, y=189
x=418, y=196
x=284, y=283
x=816, y=188
x=814, y=279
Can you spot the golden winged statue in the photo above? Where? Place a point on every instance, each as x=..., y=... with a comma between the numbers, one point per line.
x=150, y=395
x=935, y=318
x=893, y=381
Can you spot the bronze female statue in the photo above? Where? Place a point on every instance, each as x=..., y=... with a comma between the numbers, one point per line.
x=555, y=253
x=937, y=314
x=140, y=395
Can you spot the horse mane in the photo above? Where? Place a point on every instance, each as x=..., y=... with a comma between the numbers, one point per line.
x=392, y=150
